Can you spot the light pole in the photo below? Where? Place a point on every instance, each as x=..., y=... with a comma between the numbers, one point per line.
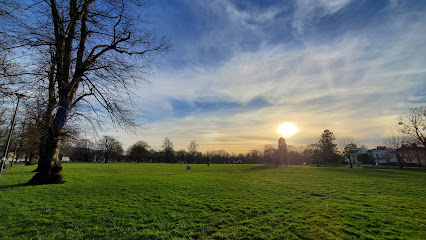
x=3, y=161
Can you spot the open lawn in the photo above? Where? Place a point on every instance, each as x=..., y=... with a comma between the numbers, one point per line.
x=163, y=201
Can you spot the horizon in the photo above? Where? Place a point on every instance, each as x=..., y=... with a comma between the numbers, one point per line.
x=297, y=148
x=238, y=70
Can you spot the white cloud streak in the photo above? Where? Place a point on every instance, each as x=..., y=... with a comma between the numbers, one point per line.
x=354, y=86
x=308, y=11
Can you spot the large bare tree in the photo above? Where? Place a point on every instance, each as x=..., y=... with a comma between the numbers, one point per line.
x=413, y=123
x=88, y=54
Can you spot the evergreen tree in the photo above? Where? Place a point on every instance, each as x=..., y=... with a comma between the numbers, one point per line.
x=282, y=153
x=327, y=148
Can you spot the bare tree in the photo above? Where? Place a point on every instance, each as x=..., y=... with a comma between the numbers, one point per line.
x=168, y=149
x=413, y=123
x=181, y=156
x=192, y=149
x=395, y=140
x=342, y=142
x=11, y=69
x=35, y=127
x=310, y=153
x=349, y=149
x=218, y=156
x=347, y=145
x=111, y=148
x=88, y=54
x=79, y=149
x=254, y=156
x=3, y=122
x=269, y=153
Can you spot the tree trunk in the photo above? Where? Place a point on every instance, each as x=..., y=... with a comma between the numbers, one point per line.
x=418, y=157
x=49, y=166
x=399, y=158
x=32, y=159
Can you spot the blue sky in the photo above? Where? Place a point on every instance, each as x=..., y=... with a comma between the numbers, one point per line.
x=239, y=69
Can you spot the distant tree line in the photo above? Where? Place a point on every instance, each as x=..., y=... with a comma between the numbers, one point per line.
x=109, y=149
x=403, y=143
x=25, y=145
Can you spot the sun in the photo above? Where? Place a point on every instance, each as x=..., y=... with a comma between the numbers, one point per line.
x=288, y=129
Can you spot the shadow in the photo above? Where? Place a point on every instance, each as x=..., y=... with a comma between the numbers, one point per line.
x=260, y=168
x=11, y=172
x=13, y=186
x=419, y=169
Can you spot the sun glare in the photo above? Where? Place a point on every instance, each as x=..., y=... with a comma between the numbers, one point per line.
x=288, y=129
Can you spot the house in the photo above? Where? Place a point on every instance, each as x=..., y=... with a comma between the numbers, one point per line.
x=380, y=155
x=239, y=161
x=384, y=155
x=413, y=154
x=354, y=156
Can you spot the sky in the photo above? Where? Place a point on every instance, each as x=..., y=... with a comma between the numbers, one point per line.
x=239, y=69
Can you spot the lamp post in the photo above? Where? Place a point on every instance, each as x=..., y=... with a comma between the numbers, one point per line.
x=12, y=125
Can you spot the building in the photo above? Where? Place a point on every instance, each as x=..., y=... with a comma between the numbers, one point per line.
x=354, y=157
x=379, y=155
x=413, y=154
x=239, y=161
x=384, y=155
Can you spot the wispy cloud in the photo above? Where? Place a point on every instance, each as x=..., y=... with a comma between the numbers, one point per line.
x=230, y=96
x=307, y=11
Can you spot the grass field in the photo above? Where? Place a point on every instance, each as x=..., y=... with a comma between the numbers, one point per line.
x=163, y=201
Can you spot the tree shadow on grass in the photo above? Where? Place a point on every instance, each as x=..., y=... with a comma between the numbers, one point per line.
x=378, y=172
x=11, y=172
x=260, y=168
x=13, y=186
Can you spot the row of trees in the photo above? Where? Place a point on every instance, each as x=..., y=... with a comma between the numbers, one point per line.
x=109, y=149
x=26, y=143
x=328, y=149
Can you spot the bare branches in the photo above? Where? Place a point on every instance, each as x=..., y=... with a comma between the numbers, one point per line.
x=413, y=123
x=343, y=142
x=88, y=53
x=81, y=97
x=82, y=56
x=395, y=140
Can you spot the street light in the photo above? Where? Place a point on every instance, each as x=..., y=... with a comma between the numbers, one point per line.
x=12, y=125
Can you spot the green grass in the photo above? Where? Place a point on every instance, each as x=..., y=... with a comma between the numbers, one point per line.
x=163, y=201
